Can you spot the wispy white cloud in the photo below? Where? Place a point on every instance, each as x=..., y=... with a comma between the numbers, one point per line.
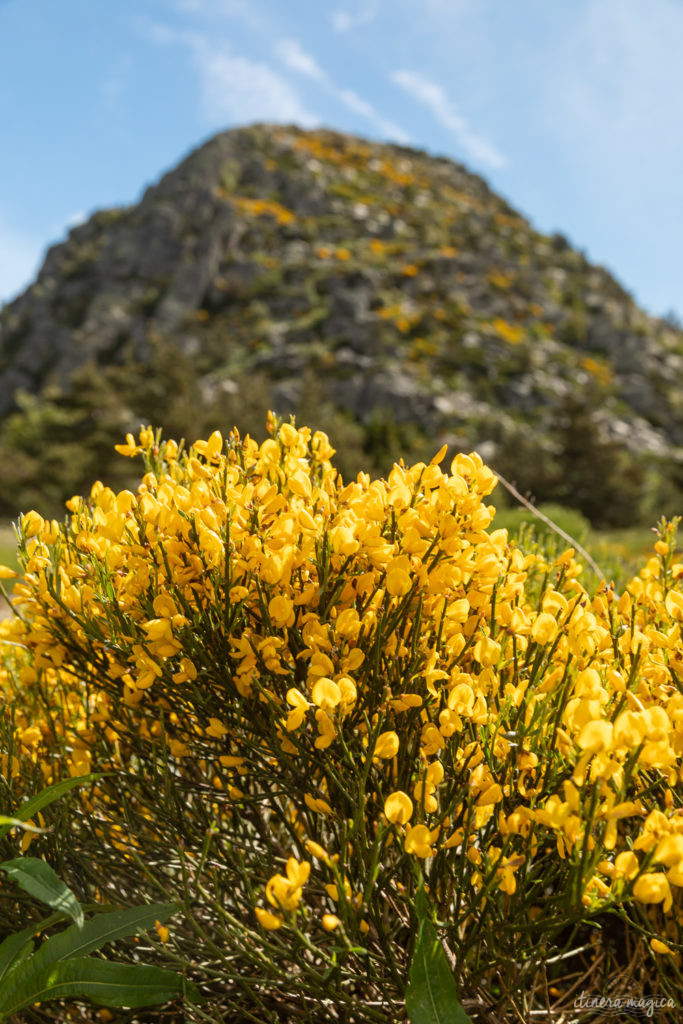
x=442, y=108
x=237, y=88
x=345, y=21
x=614, y=125
x=629, y=95
x=358, y=105
x=296, y=59
x=234, y=87
x=161, y=34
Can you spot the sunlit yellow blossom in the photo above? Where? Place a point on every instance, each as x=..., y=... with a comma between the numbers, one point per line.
x=386, y=745
x=596, y=736
x=419, y=840
x=268, y=920
x=284, y=891
x=281, y=611
x=348, y=690
x=673, y=603
x=661, y=947
x=316, y=850
x=544, y=629
x=398, y=582
x=653, y=888
x=31, y=524
x=669, y=850
x=288, y=435
x=317, y=804
x=299, y=706
x=626, y=865
x=398, y=808
x=216, y=728
x=326, y=694
x=130, y=448
x=630, y=729
x=491, y=795
x=487, y=651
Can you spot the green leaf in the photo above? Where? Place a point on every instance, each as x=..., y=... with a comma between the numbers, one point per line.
x=39, y=880
x=14, y=947
x=48, y=796
x=422, y=908
x=104, y=983
x=13, y=951
x=432, y=996
x=101, y=929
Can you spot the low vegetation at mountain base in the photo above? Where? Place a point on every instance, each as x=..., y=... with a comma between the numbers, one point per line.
x=340, y=725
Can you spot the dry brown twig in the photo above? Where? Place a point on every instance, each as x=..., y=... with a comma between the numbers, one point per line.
x=548, y=522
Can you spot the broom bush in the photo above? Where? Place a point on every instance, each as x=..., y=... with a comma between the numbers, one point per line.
x=314, y=700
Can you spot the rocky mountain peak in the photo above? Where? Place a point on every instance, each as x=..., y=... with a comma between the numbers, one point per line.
x=387, y=295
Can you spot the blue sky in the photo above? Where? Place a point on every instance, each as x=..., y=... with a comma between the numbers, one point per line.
x=572, y=109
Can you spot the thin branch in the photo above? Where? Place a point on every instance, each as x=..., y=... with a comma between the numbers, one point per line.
x=553, y=526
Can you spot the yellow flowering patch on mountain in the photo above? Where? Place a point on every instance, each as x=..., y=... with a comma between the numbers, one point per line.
x=512, y=333
x=598, y=370
x=500, y=279
x=260, y=207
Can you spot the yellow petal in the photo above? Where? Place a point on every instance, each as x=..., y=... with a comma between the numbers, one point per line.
x=596, y=736
x=398, y=807
x=661, y=947
x=398, y=582
x=387, y=745
x=267, y=920
x=326, y=693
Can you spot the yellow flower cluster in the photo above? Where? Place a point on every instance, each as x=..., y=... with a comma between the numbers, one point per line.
x=511, y=333
x=284, y=893
x=413, y=683
x=260, y=207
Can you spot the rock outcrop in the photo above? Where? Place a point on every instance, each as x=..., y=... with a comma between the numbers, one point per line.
x=384, y=291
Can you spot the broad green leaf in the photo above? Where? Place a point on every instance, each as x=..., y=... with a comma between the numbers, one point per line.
x=39, y=880
x=432, y=996
x=101, y=929
x=14, y=945
x=104, y=983
x=13, y=950
x=48, y=796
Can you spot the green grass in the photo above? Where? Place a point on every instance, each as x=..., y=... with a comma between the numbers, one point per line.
x=8, y=546
x=620, y=554
x=8, y=556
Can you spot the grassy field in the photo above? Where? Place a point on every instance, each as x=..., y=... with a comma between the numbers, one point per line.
x=8, y=546
x=8, y=556
x=619, y=554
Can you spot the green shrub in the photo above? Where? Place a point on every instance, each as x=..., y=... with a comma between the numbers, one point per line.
x=314, y=699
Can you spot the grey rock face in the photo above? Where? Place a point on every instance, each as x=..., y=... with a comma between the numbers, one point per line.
x=401, y=279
